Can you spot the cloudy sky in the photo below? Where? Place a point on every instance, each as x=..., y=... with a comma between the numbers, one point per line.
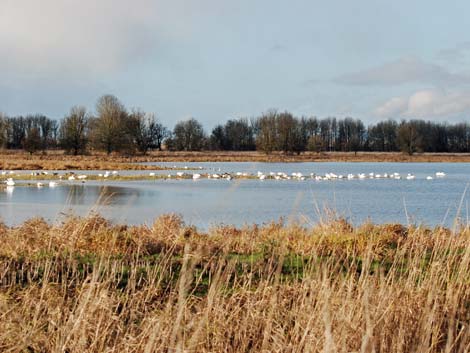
x=218, y=59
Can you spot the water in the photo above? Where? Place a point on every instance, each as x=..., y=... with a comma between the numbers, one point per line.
x=209, y=202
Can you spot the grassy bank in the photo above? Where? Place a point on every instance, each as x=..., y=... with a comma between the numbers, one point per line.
x=87, y=285
x=56, y=160
x=227, y=156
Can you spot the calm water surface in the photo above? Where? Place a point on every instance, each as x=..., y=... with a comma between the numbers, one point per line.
x=209, y=202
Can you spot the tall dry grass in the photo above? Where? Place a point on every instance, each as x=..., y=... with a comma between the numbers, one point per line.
x=57, y=160
x=90, y=286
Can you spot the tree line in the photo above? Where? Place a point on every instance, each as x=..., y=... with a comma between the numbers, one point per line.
x=114, y=128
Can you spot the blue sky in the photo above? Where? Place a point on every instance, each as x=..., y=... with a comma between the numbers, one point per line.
x=215, y=59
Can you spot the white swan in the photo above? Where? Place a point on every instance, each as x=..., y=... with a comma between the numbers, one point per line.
x=10, y=182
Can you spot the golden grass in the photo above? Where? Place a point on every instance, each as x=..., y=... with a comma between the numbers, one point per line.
x=90, y=286
x=252, y=156
x=57, y=160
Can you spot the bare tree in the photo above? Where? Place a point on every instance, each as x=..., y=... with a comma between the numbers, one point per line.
x=73, y=131
x=146, y=131
x=16, y=132
x=189, y=135
x=408, y=137
x=239, y=135
x=32, y=141
x=287, y=132
x=159, y=132
x=217, y=140
x=110, y=128
x=266, y=139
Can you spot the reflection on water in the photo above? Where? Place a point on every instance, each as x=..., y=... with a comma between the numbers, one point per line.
x=9, y=191
x=20, y=203
x=206, y=202
x=78, y=194
x=102, y=195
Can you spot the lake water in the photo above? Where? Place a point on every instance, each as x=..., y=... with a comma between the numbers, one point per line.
x=209, y=202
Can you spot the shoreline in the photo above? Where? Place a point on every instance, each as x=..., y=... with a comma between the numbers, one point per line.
x=56, y=160
x=331, y=222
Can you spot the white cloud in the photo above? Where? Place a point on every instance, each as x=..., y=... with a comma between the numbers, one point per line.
x=392, y=107
x=426, y=104
x=402, y=71
x=83, y=37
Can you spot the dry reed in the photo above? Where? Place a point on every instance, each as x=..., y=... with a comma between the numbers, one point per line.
x=90, y=286
x=57, y=160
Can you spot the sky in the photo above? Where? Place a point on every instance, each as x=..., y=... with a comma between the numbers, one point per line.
x=219, y=59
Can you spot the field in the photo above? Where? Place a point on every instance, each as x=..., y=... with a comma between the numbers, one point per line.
x=57, y=160
x=85, y=285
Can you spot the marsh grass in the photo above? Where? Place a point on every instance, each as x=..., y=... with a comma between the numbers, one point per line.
x=57, y=160
x=86, y=285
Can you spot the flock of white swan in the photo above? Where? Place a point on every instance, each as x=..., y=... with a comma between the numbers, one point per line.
x=71, y=177
x=10, y=182
x=317, y=177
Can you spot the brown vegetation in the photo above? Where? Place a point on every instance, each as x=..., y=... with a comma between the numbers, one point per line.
x=87, y=285
x=57, y=160
x=230, y=156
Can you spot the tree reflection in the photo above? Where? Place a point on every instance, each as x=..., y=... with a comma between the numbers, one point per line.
x=105, y=195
